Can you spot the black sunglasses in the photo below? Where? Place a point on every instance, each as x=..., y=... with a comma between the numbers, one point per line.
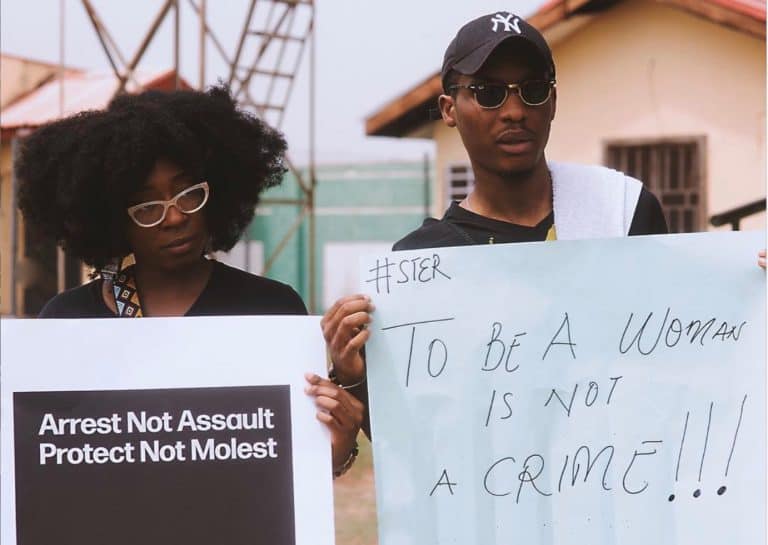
x=494, y=95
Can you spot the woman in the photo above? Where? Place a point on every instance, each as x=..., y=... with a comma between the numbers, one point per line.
x=142, y=192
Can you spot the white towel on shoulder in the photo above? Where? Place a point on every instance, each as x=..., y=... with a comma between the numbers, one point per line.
x=592, y=201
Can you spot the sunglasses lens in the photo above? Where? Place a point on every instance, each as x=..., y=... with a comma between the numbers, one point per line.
x=490, y=96
x=191, y=200
x=534, y=92
x=148, y=214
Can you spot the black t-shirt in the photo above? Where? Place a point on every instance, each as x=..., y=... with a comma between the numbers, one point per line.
x=460, y=227
x=229, y=292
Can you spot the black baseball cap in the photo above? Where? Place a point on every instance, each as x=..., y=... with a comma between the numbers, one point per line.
x=475, y=41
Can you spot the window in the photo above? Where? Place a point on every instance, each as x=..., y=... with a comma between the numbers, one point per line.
x=461, y=180
x=674, y=171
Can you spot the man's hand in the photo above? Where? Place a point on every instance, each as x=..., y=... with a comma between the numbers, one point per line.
x=345, y=332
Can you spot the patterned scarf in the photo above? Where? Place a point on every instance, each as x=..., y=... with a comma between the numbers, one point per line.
x=126, y=294
x=124, y=290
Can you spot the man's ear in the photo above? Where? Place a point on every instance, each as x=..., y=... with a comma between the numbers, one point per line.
x=447, y=109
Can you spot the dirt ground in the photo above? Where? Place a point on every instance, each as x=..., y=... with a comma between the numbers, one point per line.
x=355, y=501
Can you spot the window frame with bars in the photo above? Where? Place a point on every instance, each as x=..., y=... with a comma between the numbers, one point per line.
x=662, y=163
x=451, y=175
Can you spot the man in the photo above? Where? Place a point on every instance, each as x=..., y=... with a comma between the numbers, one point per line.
x=499, y=92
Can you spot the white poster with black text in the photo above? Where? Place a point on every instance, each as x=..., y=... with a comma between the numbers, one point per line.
x=156, y=431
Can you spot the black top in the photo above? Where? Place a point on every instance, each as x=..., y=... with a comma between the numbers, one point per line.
x=460, y=227
x=229, y=292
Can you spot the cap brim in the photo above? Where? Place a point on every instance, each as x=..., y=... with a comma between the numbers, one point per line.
x=475, y=60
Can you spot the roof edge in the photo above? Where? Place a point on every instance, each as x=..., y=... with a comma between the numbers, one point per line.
x=38, y=62
x=738, y=16
x=415, y=102
x=164, y=80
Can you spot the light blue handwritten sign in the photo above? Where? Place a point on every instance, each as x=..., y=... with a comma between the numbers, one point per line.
x=570, y=393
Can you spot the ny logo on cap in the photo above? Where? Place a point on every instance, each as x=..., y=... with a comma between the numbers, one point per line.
x=509, y=25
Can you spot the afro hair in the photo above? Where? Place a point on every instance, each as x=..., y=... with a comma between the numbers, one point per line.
x=77, y=175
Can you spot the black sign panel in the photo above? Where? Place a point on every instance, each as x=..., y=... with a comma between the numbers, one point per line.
x=176, y=466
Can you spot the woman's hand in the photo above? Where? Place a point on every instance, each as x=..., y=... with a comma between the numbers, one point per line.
x=340, y=411
x=344, y=329
x=761, y=259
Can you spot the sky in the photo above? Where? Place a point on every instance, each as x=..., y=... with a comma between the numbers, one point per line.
x=368, y=52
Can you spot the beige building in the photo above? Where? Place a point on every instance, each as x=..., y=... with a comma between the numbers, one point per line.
x=669, y=91
x=18, y=78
